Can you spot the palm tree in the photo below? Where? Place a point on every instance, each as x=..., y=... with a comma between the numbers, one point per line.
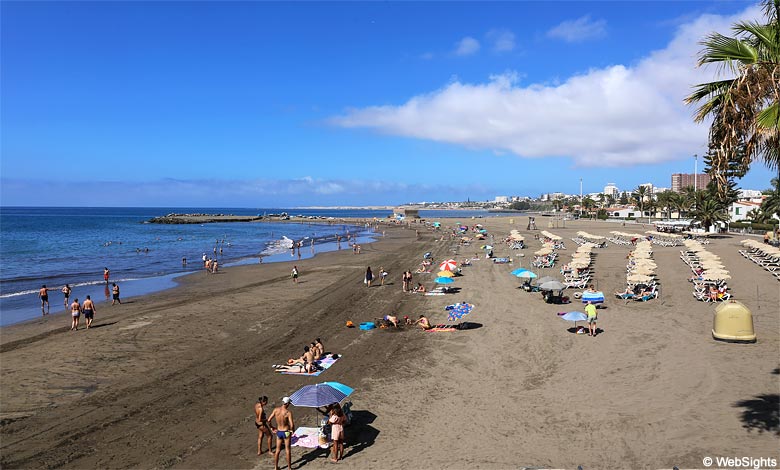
x=665, y=202
x=639, y=198
x=745, y=110
x=771, y=205
x=709, y=212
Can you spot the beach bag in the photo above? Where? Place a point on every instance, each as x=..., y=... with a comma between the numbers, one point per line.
x=350, y=324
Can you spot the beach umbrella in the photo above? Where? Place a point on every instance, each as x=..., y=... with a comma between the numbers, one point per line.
x=445, y=274
x=544, y=279
x=443, y=280
x=317, y=395
x=346, y=390
x=552, y=285
x=575, y=317
x=448, y=265
x=517, y=271
x=526, y=275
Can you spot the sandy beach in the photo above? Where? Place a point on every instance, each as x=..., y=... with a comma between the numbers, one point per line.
x=170, y=380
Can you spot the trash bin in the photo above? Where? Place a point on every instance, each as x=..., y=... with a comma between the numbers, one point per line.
x=733, y=322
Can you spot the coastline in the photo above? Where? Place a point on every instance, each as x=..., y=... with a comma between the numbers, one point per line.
x=652, y=391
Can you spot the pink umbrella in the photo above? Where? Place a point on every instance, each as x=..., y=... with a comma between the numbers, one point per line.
x=448, y=265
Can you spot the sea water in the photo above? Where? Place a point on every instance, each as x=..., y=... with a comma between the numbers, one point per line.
x=55, y=246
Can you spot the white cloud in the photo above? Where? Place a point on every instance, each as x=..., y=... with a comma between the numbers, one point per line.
x=579, y=30
x=503, y=40
x=466, y=46
x=615, y=116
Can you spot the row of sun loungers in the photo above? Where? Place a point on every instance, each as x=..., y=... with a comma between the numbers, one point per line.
x=579, y=271
x=585, y=237
x=555, y=240
x=515, y=240
x=641, y=282
x=709, y=275
x=766, y=256
x=665, y=239
x=622, y=238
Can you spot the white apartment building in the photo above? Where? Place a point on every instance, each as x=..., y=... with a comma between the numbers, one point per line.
x=611, y=190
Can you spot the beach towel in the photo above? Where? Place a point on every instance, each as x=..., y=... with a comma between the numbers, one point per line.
x=308, y=437
x=593, y=297
x=322, y=365
x=458, y=311
x=440, y=328
x=502, y=260
x=434, y=293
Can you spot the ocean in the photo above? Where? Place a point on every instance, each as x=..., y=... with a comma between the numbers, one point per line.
x=59, y=245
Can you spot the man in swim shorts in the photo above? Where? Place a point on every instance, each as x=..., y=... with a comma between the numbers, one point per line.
x=89, y=311
x=44, y=295
x=106, y=274
x=115, y=293
x=66, y=292
x=261, y=422
x=590, y=310
x=283, y=430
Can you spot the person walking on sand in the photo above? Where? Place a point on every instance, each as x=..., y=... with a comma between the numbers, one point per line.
x=382, y=276
x=590, y=310
x=261, y=422
x=89, y=311
x=43, y=293
x=75, y=314
x=294, y=274
x=106, y=274
x=66, y=292
x=284, y=429
x=369, y=276
x=336, y=421
x=115, y=293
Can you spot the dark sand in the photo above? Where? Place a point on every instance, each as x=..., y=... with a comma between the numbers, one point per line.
x=170, y=380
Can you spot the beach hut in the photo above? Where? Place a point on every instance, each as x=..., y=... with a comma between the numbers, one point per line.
x=733, y=322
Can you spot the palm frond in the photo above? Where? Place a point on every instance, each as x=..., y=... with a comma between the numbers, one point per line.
x=726, y=50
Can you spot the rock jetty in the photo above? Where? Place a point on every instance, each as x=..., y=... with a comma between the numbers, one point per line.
x=202, y=218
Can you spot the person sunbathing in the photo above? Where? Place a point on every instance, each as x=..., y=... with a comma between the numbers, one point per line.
x=626, y=294
x=392, y=319
x=315, y=351
x=305, y=363
x=423, y=322
x=420, y=288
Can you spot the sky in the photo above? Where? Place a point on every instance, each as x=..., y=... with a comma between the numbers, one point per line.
x=265, y=104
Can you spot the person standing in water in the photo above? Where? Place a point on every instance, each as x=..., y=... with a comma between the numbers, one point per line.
x=43, y=293
x=115, y=293
x=66, y=292
x=106, y=274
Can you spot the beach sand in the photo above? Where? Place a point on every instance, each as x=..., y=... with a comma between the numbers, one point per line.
x=170, y=380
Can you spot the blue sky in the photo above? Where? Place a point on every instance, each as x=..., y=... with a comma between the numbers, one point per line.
x=253, y=104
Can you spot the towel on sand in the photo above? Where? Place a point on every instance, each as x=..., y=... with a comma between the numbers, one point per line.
x=308, y=437
x=322, y=365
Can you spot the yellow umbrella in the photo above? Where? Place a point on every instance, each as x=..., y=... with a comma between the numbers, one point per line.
x=445, y=274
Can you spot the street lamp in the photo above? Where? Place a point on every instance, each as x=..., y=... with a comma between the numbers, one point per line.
x=580, y=198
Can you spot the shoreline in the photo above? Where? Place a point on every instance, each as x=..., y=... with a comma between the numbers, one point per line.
x=653, y=390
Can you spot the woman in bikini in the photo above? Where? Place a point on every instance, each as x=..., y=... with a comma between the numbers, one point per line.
x=261, y=422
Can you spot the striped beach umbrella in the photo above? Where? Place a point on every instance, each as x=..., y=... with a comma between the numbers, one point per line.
x=448, y=265
x=317, y=395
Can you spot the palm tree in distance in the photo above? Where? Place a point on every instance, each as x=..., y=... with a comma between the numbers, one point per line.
x=745, y=109
x=639, y=197
x=709, y=212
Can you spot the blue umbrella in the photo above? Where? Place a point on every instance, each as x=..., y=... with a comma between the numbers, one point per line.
x=443, y=280
x=526, y=275
x=317, y=395
x=517, y=271
x=346, y=390
x=575, y=316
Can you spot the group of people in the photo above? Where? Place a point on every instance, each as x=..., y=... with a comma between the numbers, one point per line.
x=280, y=423
x=369, y=278
x=76, y=308
x=307, y=362
x=210, y=265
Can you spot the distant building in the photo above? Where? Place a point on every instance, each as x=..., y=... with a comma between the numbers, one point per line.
x=611, y=190
x=402, y=213
x=622, y=212
x=750, y=194
x=739, y=210
x=681, y=181
x=502, y=199
x=657, y=190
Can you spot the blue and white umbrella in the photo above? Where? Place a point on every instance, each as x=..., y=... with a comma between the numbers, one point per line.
x=575, y=317
x=345, y=389
x=517, y=271
x=317, y=395
x=526, y=275
x=443, y=280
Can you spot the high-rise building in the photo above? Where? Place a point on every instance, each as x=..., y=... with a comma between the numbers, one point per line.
x=611, y=190
x=681, y=181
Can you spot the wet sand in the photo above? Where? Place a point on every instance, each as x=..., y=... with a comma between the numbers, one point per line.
x=170, y=380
